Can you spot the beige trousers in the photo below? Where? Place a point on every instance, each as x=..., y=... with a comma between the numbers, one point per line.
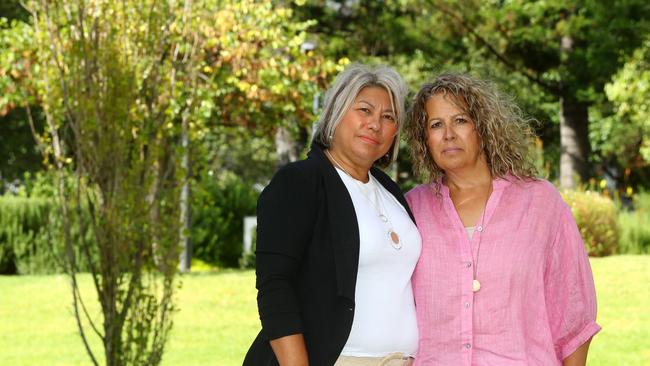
x=393, y=359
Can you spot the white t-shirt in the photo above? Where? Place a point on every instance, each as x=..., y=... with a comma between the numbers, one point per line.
x=384, y=317
x=470, y=231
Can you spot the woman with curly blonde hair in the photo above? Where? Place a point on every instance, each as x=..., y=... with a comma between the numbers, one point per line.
x=503, y=277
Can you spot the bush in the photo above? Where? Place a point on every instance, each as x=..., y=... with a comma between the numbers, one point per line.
x=31, y=240
x=248, y=259
x=27, y=245
x=641, y=202
x=218, y=210
x=635, y=226
x=597, y=220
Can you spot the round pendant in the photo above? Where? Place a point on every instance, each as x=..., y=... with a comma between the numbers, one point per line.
x=476, y=285
x=394, y=238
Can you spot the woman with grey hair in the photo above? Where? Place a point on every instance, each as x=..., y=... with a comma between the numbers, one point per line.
x=336, y=242
x=504, y=278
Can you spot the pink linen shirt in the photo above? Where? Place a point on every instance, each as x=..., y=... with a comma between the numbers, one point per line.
x=537, y=302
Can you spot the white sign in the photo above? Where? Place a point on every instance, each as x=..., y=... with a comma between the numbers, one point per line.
x=250, y=224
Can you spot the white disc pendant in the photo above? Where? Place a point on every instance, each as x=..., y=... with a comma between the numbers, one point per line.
x=476, y=285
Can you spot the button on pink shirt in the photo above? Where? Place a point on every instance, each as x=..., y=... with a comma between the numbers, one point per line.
x=537, y=302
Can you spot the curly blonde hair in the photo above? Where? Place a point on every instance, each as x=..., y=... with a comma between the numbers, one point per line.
x=505, y=135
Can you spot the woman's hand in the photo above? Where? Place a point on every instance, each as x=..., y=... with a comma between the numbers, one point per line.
x=290, y=350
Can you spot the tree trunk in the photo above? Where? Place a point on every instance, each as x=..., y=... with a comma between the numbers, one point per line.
x=185, y=263
x=288, y=148
x=574, y=141
x=574, y=128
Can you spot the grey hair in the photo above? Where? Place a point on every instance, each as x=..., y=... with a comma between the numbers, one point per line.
x=341, y=95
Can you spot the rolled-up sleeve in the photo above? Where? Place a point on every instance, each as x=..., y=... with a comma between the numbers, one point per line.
x=286, y=212
x=569, y=289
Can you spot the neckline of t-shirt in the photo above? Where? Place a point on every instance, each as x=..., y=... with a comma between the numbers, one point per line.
x=371, y=183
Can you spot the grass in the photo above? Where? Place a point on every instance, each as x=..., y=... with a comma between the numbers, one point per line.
x=623, y=290
x=217, y=319
x=215, y=325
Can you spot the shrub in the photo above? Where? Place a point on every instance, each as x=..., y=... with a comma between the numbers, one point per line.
x=641, y=202
x=31, y=239
x=27, y=243
x=635, y=226
x=635, y=233
x=597, y=220
x=7, y=256
x=218, y=210
x=248, y=259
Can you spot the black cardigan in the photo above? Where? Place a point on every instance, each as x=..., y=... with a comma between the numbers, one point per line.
x=307, y=259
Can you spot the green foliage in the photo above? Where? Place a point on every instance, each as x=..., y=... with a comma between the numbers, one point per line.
x=248, y=154
x=248, y=259
x=41, y=185
x=624, y=132
x=218, y=209
x=28, y=242
x=30, y=237
x=17, y=146
x=635, y=226
x=255, y=72
x=368, y=28
x=7, y=256
x=641, y=202
x=596, y=216
x=16, y=64
x=116, y=83
x=577, y=43
x=569, y=49
x=635, y=233
x=12, y=9
x=31, y=240
x=120, y=83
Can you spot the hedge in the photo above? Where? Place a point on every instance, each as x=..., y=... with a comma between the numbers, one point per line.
x=218, y=210
x=30, y=236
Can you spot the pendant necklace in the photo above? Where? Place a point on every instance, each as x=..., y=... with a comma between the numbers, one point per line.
x=476, y=285
x=393, y=237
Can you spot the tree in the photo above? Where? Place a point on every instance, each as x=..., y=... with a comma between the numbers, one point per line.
x=262, y=74
x=415, y=39
x=392, y=32
x=256, y=75
x=16, y=64
x=569, y=49
x=115, y=80
x=18, y=150
x=12, y=9
x=625, y=134
x=252, y=72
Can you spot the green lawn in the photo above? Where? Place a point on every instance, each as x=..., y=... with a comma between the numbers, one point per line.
x=218, y=319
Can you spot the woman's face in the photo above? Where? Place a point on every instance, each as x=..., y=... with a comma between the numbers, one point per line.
x=452, y=138
x=367, y=129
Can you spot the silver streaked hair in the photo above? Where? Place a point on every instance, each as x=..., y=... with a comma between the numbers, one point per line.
x=341, y=95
